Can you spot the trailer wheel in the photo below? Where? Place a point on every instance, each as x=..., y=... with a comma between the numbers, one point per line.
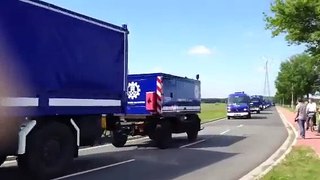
x=2, y=159
x=49, y=151
x=119, y=139
x=163, y=134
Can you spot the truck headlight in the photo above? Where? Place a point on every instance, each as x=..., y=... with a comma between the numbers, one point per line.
x=245, y=109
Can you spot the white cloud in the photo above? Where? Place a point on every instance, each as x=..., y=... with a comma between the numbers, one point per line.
x=200, y=50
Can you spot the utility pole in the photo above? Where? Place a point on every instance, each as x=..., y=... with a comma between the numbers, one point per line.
x=266, y=88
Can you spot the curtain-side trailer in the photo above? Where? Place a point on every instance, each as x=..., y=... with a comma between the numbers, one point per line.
x=63, y=77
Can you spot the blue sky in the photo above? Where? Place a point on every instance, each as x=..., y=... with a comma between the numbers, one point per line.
x=223, y=41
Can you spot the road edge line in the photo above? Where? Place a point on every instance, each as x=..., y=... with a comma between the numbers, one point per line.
x=271, y=162
x=214, y=120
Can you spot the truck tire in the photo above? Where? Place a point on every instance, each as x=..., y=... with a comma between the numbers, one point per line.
x=119, y=139
x=249, y=116
x=228, y=117
x=192, y=135
x=49, y=151
x=193, y=128
x=151, y=136
x=163, y=134
x=2, y=159
x=258, y=112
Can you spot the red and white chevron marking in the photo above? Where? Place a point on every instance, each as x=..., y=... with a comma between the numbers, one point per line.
x=159, y=94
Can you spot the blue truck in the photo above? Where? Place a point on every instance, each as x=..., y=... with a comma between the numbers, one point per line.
x=238, y=105
x=63, y=83
x=256, y=103
x=159, y=105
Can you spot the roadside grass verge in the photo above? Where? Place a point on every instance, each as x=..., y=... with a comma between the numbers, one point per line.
x=212, y=111
x=301, y=163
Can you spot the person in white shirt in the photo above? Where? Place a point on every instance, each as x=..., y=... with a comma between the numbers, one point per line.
x=311, y=111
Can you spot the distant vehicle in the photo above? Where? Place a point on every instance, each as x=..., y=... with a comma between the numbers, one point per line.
x=238, y=105
x=256, y=104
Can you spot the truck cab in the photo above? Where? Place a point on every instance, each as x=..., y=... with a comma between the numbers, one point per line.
x=238, y=105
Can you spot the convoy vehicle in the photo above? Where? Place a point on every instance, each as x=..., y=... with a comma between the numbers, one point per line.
x=238, y=105
x=160, y=104
x=67, y=75
x=256, y=104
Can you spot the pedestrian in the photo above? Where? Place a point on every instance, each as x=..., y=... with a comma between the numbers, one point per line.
x=301, y=116
x=311, y=112
x=318, y=129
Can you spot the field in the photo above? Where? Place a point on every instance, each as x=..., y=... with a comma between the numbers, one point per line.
x=301, y=163
x=212, y=111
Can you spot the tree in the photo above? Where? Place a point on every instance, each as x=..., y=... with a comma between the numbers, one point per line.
x=299, y=20
x=298, y=76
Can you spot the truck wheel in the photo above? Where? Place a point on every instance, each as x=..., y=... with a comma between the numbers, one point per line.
x=163, y=134
x=249, y=116
x=2, y=159
x=151, y=136
x=228, y=117
x=258, y=112
x=49, y=151
x=119, y=139
x=192, y=135
x=194, y=128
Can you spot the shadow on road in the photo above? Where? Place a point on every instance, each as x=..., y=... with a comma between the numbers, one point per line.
x=266, y=112
x=150, y=163
x=259, y=117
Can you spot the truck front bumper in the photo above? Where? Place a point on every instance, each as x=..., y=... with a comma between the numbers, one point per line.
x=254, y=109
x=237, y=114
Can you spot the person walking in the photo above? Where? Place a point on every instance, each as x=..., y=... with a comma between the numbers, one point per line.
x=311, y=112
x=301, y=117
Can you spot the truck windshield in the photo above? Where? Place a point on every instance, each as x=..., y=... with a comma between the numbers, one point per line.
x=255, y=100
x=237, y=100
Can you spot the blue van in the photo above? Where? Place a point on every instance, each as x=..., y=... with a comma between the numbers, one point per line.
x=256, y=104
x=238, y=105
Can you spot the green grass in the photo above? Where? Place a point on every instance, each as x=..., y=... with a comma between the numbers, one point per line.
x=211, y=111
x=301, y=163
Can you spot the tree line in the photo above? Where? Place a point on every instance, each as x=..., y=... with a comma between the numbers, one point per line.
x=299, y=21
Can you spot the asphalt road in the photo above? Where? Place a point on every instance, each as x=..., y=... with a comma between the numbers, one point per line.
x=226, y=149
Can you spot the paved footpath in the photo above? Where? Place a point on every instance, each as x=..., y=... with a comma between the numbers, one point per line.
x=311, y=140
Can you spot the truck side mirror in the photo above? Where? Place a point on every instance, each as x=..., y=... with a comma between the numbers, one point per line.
x=198, y=76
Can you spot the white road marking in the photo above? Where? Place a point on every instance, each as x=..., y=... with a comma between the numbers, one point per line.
x=95, y=169
x=222, y=133
x=190, y=144
x=241, y=125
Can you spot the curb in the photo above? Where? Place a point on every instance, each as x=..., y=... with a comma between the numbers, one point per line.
x=278, y=155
